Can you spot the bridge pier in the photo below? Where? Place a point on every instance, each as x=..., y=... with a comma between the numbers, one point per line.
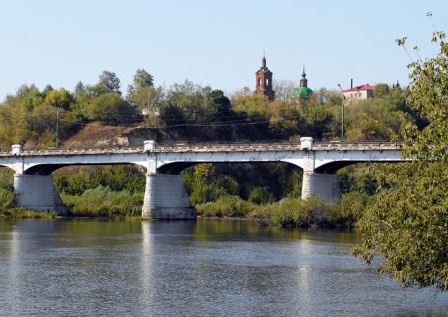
x=323, y=185
x=166, y=198
x=37, y=192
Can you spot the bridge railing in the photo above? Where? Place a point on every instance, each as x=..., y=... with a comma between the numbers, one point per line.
x=210, y=147
x=356, y=145
x=74, y=150
x=225, y=146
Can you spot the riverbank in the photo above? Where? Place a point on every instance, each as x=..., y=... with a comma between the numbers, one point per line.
x=291, y=212
x=19, y=213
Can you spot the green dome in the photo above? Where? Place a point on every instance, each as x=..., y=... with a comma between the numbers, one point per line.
x=301, y=92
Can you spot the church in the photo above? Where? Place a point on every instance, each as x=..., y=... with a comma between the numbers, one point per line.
x=263, y=84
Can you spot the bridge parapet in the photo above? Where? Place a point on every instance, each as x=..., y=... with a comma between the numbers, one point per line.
x=225, y=147
x=360, y=146
x=70, y=151
x=274, y=146
x=181, y=147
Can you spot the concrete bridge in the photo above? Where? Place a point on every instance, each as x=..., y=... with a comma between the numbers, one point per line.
x=165, y=194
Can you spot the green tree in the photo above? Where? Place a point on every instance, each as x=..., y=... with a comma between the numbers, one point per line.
x=317, y=117
x=42, y=123
x=381, y=90
x=151, y=102
x=27, y=96
x=110, y=82
x=221, y=103
x=141, y=82
x=197, y=103
x=142, y=79
x=14, y=114
x=110, y=108
x=173, y=115
x=79, y=88
x=205, y=184
x=376, y=119
x=408, y=223
x=92, y=91
x=60, y=98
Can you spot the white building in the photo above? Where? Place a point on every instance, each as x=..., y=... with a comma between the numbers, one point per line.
x=358, y=92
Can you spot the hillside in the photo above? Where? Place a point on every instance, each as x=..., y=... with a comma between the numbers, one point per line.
x=98, y=135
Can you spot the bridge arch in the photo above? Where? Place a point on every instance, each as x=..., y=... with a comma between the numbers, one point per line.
x=175, y=168
x=333, y=167
x=48, y=169
x=35, y=189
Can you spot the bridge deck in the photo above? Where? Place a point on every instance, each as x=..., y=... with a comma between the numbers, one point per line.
x=213, y=147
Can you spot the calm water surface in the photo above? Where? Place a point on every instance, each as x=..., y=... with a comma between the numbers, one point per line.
x=204, y=268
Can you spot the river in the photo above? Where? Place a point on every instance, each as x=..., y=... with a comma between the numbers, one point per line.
x=82, y=267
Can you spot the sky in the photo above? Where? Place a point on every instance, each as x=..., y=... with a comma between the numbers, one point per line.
x=215, y=43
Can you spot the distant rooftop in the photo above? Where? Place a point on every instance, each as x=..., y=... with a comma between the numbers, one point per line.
x=362, y=87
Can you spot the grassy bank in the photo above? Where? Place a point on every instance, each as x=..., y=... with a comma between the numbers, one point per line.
x=291, y=212
x=288, y=212
x=104, y=202
x=85, y=196
x=19, y=213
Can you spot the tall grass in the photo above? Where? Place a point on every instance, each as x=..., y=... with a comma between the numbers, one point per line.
x=291, y=211
x=104, y=202
x=6, y=199
x=226, y=206
x=20, y=213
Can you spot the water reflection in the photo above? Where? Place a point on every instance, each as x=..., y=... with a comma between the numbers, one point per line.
x=146, y=269
x=208, y=267
x=11, y=248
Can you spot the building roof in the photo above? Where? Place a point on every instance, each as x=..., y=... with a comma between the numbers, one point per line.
x=362, y=87
x=264, y=70
x=301, y=92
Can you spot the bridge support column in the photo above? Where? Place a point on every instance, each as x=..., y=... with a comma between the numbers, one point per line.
x=37, y=192
x=323, y=185
x=166, y=198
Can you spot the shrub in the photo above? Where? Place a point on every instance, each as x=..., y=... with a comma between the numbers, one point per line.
x=104, y=202
x=6, y=199
x=285, y=212
x=295, y=212
x=6, y=179
x=260, y=195
x=226, y=206
x=351, y=208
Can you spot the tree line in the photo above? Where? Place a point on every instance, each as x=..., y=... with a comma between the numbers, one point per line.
x=188, y=111
x=192, y=112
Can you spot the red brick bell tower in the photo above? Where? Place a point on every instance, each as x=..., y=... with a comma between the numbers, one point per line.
x=263, y=78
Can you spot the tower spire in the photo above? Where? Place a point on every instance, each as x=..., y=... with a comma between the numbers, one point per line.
x=303, y=80
x=263, y=78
